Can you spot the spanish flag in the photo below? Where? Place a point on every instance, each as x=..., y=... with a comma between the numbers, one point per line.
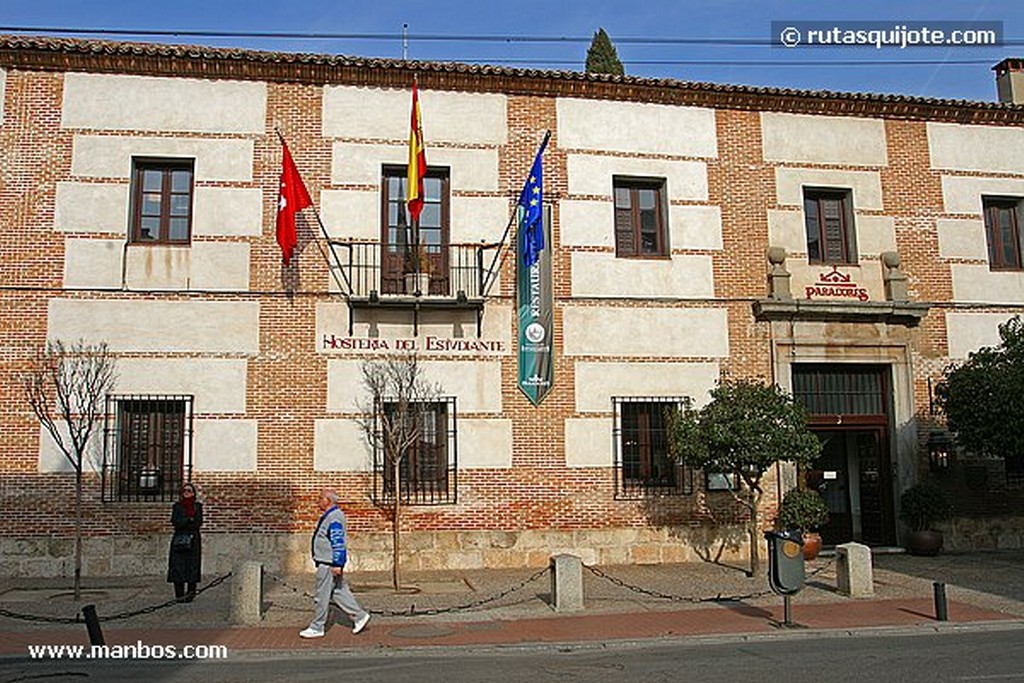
x=417, y=160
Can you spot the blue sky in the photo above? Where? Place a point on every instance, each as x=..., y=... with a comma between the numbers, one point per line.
x=454, y=20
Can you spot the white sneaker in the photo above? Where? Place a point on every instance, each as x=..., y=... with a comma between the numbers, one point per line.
x=361, y=623
x=311, y=633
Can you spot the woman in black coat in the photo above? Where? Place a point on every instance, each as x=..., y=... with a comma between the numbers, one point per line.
x=185, y=558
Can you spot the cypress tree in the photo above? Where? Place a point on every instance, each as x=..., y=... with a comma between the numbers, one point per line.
x=602, y=57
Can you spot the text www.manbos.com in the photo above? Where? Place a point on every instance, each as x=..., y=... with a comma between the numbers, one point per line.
x=139, y=650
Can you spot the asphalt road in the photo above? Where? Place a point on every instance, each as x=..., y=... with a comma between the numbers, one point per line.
x=955, y=655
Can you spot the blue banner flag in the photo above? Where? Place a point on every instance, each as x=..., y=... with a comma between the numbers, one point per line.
x=531, y=200
x=533, y=287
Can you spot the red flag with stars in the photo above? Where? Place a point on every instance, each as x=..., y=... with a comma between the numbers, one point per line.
x=292, y=198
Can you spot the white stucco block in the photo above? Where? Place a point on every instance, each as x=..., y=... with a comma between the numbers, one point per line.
x=161, y=326
x=875, y=234
x=598, y=383
x=962, y=194
x=218, y=384
x=340, y=445
x=979, y=284
x=227, y=212
x=203, y=265
x=110, y=156
x=587, y=223
x=865, y=186
x=351, y=214
x=224, y=445
x=803, y=138
x=636, y=127
x=120, y=102
x=485, y=444
x=604, y=274
x=997, y=149
x=478, y=219
x=867, y=274
x=220, y=266
x=786, y=229
x=383, y=114
x=91, y=207
x=355, y=163
x=471, y=170
x=588, y=442
x=967, y=332
x=475, y=384
x=665, y=332
x=52, y=458
x=92, y=263
x=695, y=227
x=962, y=238
x=591, y=174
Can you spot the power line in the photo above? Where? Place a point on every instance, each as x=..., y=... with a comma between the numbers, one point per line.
x=772, y=63
x=420, y=37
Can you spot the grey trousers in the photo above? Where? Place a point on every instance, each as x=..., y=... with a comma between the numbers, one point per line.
x=328, y=587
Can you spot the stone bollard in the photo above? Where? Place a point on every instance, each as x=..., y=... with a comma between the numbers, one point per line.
x=853, y=570
x=566, y=583
x=247, y=593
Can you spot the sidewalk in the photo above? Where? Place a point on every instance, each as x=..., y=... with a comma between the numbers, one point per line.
x=511, y=607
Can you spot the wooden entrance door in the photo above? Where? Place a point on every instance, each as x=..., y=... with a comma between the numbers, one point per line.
x=849, y=408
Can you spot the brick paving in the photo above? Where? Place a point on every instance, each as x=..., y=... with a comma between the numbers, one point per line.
x=446, y=609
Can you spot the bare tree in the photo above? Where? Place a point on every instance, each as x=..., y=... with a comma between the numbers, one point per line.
x=66, y=386
x=394, y=422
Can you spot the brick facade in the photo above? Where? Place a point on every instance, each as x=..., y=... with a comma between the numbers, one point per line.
x=539, y=503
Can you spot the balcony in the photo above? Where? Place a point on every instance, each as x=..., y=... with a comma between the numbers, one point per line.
x=453, y=276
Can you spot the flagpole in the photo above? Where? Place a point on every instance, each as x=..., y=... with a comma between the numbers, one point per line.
x=515, y=213
x=327, y=238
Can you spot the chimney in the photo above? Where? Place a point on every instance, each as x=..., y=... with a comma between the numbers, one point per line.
x=1010, y=80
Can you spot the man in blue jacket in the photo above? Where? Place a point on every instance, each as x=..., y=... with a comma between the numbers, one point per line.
x=329, y=556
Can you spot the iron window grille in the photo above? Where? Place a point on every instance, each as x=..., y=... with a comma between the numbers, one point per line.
x=147, y=447
x=644, y=464
x=828, y=216
x=161, y=210
x=428, y=472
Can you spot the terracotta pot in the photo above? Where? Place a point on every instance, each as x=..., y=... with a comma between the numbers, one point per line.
x=812, y=545
x=927, y=542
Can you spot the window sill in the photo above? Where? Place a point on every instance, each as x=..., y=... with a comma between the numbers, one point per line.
x=892, y=312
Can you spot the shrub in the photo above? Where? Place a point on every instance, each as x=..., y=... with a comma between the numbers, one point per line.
x=803, y=509
x=922, y=505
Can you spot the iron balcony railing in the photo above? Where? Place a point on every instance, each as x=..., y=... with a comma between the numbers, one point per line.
x=456, y=271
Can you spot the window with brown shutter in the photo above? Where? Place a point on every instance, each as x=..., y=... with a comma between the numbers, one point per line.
x=1002, y=232
x=828, y=218
x=640, y=226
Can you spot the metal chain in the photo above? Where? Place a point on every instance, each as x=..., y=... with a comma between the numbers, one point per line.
x=689, y=599
x=413, y=612
x=173, y=601
x=78, y=619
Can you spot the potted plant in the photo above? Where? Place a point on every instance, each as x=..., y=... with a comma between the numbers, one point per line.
x=804, y=509
x=418, y=269
x=920, y=507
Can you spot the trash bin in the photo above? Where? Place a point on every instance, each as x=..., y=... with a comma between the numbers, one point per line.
x=785, y=561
